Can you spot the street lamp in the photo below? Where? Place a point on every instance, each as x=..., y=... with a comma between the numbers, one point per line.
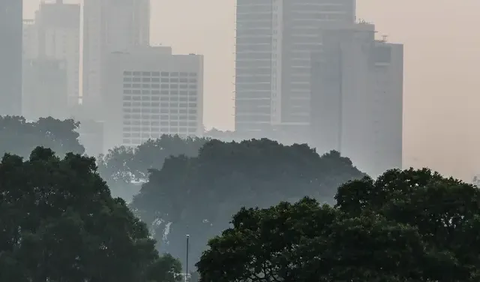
x=186, y=260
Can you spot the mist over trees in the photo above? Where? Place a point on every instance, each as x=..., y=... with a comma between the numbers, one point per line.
x=198, y=195
x=411, y=225
x=59, y=223
x=125, y=167
x=19, y=136
x=297, y=216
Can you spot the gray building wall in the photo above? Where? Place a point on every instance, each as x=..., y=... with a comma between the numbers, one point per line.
x=109, y=26
x=357, y=97
x=274, y=42
x=44, y=88
x=11, y=35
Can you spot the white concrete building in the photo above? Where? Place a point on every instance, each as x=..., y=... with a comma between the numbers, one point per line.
x=109, y=26
x=58, y=26
x=274, y=42
x=151, y=92
x=357, y=97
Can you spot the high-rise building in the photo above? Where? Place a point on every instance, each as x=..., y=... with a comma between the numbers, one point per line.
x=357, y=97
x=45, y=83
x=58, y=27
x=11, y=25
x=151, y=92
x=109, y=26
x=274, y=42
x=30, y=40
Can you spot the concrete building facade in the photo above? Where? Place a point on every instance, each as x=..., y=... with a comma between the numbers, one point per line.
x=274, y=42
x=11, y=27
x=58, y=26
x=30, y=40
x=357, y=97
x=109, y=26
x=151, y=92
x=45, y=83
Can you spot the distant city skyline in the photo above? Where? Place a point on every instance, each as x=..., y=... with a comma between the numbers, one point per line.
x=441, y=67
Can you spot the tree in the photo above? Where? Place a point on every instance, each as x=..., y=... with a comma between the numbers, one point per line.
x=411, y=225
x=123, y=166
x=445, y=211
x=165, y=269
x=60, y=223
x=19, y=136
x=198, y=195
x=308, y=242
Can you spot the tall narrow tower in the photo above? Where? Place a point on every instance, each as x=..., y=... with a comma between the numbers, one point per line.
x=274, y=45
x=58, y=26
x=109, y=26
x=11, y=25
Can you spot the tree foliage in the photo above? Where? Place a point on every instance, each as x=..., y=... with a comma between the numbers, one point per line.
x=411, y=225
x=19, y=136
x=59, y=223
x=198, y=195
x=123, y=166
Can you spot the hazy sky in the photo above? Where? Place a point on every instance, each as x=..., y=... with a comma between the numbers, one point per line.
x=442, y=76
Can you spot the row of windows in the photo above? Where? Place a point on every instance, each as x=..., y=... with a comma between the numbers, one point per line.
x=155, y=79
x=136, y=142
x=146, y=123
x=155, y=104
x=162, y=111
x=156, y=73
x=146, y=133
x=159, y=92
x=164, y=128
x=157, y=117
x=163, y=86
x=164, y=105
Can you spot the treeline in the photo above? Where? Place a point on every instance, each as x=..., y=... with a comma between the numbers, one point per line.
x=61, y=223
x=407, y=226
x=193, y=186
x=58, y=222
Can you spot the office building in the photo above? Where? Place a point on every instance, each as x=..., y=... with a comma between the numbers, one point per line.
x=109, y=26
x=151, y=92
x=58, y=26
x=30, y=40
x=357, y=97
x=45, y=83
x=274, y=42
x=11, y=25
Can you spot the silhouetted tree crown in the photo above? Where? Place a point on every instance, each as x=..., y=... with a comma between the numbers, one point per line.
x=58, y=222
x=123, y=166
x=197, y=195
x=19, y=136
x=406, y=226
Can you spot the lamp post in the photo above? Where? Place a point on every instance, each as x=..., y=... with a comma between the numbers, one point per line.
x=186, y=259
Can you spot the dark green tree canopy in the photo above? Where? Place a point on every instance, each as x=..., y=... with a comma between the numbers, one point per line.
x=19, y=136
x=412, y=225
x=123, y=166
x=198, y=195
x=59, y=223
x=445, y=211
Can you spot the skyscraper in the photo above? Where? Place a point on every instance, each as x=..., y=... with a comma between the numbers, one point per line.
x=11, y=25
x=274, y=42
x=109, y=26
x=357, y=97
x=58, y=27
